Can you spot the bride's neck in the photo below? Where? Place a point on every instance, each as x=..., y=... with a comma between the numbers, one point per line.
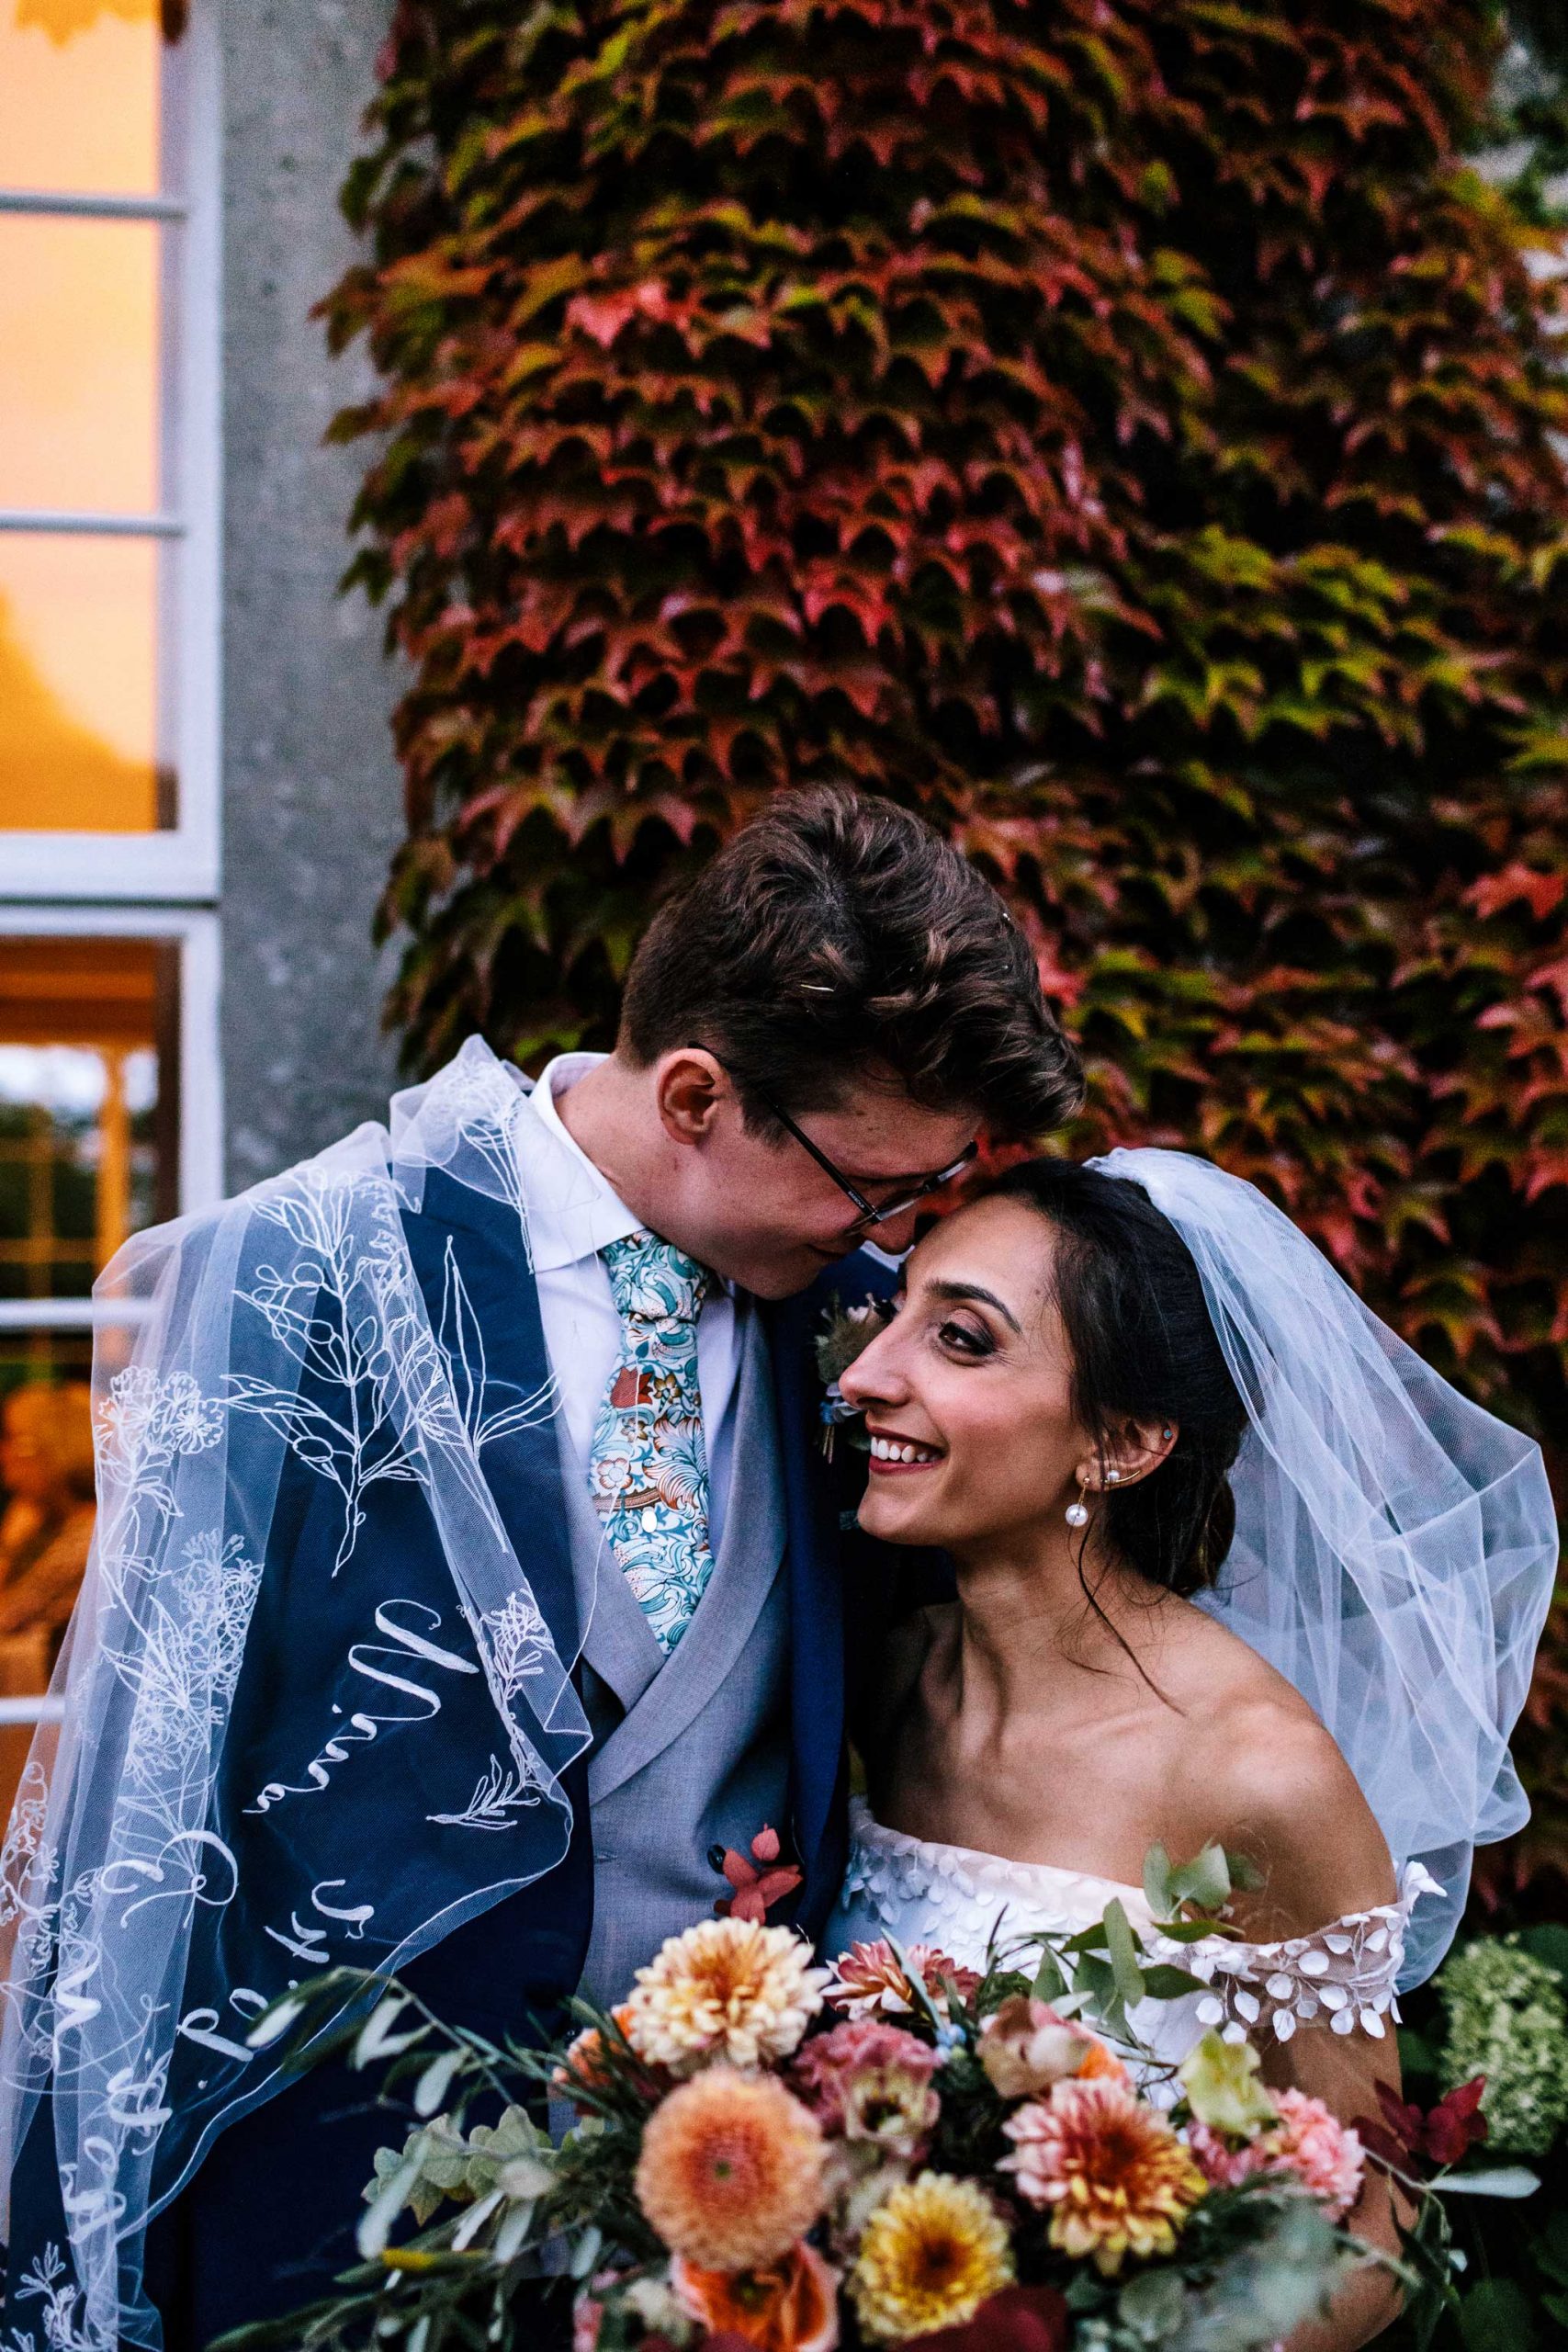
x=1028, y=1626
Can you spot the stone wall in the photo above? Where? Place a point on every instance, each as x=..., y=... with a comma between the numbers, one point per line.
x=312, y=792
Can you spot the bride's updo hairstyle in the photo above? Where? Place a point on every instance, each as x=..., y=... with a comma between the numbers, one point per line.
x=1142, y=1349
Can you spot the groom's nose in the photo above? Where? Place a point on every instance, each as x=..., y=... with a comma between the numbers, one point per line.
x=896, y=1235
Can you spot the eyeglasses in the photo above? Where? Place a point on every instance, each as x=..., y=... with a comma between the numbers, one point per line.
x=870, y=1214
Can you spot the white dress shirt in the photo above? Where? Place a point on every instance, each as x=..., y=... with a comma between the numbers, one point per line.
x=572, y=1214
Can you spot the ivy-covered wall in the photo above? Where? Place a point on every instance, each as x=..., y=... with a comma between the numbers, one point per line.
x=1129, y=430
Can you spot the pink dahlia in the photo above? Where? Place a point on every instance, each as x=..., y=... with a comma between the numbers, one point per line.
x=1108, y=2170
x=870, y=2081
x=1308, y=2143
x=870, y=1979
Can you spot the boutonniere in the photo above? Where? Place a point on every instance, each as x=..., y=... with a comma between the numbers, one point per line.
x=846, y=1332
x=759, y=1880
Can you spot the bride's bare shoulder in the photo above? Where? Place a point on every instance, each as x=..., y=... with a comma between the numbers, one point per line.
x=1263, y=1775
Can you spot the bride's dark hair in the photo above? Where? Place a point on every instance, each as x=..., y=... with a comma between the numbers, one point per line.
x=1144, y=1349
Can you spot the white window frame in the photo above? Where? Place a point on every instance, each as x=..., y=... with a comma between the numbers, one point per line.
x=183, y=864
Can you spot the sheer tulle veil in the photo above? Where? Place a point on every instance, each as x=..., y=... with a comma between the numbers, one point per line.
x=1395, y=1545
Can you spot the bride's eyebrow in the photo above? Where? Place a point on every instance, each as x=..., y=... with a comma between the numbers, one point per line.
x=956, y=1293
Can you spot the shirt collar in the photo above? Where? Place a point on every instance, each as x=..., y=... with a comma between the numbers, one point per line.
x=573, y=1212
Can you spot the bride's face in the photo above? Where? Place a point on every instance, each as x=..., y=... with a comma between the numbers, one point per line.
x=974, y=1378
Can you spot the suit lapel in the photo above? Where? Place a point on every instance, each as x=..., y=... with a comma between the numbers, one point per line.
x=816, y=1621
x=470, y=1256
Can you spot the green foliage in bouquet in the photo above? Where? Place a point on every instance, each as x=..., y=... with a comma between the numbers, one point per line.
x=1124, y=429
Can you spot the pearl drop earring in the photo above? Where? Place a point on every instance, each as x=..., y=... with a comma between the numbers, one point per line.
x=1077, y=1513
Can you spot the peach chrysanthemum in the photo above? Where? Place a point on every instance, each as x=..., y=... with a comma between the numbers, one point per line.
x=870, y=1980
x=1112, y=2172
x=729, y=1989
x=731, y=2169
x=931, y=2254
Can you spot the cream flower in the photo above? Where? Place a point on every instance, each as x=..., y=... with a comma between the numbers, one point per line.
x=730, y=1989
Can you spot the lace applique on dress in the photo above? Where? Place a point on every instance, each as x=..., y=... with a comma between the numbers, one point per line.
x=1345, y=1973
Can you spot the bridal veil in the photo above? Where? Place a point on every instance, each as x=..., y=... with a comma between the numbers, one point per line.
x=1395, y=1545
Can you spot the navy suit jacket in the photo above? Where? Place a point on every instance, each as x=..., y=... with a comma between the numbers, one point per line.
x=267, y=2221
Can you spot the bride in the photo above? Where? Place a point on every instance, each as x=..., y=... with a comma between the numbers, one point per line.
x=1232, y=1565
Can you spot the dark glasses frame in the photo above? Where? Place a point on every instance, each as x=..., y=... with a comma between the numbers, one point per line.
x=870, y=1214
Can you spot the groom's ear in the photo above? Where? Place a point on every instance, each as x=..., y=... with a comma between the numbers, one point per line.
x=689, y=1087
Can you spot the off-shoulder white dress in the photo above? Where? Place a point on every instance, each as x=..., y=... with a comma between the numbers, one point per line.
x=1344, y=1974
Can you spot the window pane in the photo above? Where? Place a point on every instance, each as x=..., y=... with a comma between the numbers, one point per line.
x=79, y=378
x=87, y=1148
x=46, y=1515
x=79, y=95
x=79, y=706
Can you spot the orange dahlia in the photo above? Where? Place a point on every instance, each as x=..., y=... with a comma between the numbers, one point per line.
x=1112, y=2172
x=728, y=1989
x=582, y=2064
x=790, y=2306
x=731, y=2170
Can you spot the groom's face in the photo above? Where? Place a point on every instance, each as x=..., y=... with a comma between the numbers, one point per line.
x=762, y=1211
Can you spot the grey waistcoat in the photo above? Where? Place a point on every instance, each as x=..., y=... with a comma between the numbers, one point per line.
x=692, y=1749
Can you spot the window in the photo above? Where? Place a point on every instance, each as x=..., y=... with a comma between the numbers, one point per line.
x=108, y=734
x=108, y=748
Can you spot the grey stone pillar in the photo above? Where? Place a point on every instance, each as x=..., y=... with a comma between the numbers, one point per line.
x=311, y=791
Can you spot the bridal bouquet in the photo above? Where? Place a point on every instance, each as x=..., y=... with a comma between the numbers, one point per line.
x=753, y=2150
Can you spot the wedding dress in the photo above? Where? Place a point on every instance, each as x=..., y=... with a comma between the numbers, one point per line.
x=918, y=1892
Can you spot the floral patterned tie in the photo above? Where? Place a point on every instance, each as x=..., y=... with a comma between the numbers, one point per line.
x=648, y=1469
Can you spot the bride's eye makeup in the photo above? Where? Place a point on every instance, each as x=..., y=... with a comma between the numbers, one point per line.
x=966, y=1338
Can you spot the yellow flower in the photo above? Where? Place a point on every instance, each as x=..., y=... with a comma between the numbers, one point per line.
x=930, y=2256
x=1112, y=2172
x=1219, y=2079
x=730, y=1989
x=731, y=2170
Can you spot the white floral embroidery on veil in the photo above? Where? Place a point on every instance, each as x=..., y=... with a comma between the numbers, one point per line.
x=112, y=1853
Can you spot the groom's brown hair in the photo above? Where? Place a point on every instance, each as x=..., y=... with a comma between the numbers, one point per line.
x=839, y=935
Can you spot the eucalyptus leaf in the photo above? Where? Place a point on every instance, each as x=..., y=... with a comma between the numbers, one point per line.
x=1205, y=1881
x=1156, y=1883
x=586, y=2252
x=1049, y=1982
x=474, y=2221
x=1151, y=2306
x=1504, y=2180
x=377, y=2039
x=1124, y=1952
x=432, y=2084
x=513, y=2232
x=376, y=2225
x=1162, y=1983
x=273, y=2023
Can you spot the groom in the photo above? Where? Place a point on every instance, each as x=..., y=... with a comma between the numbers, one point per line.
x=813, y=1035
